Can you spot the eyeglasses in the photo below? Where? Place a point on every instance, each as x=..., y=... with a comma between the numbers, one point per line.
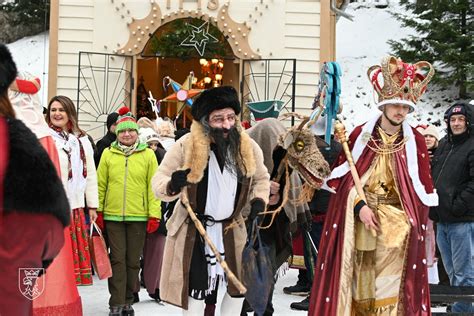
x=218, y=119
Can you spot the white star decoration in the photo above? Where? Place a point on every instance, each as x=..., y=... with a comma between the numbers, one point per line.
x=152, y=101
x=199, y=38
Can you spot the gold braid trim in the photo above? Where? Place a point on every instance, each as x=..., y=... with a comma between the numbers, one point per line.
x=386, y=148
x=375, y=307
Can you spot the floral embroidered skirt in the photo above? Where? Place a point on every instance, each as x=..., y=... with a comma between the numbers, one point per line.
x=80, y=248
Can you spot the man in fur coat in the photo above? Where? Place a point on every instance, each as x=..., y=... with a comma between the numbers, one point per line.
x=222, y=170
x=33, y=205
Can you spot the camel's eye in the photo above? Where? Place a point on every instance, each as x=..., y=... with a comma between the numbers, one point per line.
x=299, y=145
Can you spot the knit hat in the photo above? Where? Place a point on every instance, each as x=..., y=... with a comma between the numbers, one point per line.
x=111, y=119
x=126, y=120
x=215, y=99
x=457, y=108
x=147, y=135
x=429, y=130
x=8, y=70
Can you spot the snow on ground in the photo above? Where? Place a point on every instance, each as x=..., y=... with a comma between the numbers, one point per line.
x=95, y=300
x=360, y=44
x=31, y=54
x=363, y=43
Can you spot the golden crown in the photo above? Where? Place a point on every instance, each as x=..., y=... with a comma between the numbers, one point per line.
x=395, y=80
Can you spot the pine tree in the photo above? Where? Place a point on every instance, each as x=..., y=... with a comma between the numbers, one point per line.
x=444, y=38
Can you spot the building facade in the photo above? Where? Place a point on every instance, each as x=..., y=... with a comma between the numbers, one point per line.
x=109, y=53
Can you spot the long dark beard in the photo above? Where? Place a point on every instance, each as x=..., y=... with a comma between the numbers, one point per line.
x=228, y=148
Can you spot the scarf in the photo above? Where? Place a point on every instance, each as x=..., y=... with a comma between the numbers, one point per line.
x=222, y=188
x=76, y=158
x=220, y=198
x=127, y=150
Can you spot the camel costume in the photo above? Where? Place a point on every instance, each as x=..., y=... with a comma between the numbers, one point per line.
x=194, y=151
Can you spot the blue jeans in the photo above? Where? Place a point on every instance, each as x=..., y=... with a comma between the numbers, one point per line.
x=456, y=244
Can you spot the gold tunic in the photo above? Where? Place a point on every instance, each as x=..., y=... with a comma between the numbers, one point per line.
x=379, y=260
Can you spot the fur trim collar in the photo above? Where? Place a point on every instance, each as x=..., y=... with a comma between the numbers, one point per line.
x=428, y=199
x=198, y=145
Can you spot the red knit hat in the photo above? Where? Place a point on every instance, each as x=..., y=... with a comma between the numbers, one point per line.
x=126, y=120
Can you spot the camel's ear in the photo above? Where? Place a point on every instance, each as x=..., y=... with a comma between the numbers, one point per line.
x=286, y=140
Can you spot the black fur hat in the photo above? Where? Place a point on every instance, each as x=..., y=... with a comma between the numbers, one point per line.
x=215, y=99
x=8, y=70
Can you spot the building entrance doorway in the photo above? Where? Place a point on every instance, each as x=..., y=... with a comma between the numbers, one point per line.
x=176, y=50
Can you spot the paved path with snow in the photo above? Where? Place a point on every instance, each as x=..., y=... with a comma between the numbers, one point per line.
x=95, y=300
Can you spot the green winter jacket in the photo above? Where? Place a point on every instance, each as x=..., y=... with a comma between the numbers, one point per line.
x=125, y=192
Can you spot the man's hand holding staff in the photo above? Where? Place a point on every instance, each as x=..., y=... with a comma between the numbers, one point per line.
x=230, y=275
x=366, y=215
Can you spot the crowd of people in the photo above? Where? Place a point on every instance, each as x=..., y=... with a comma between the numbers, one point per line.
x=178, y=210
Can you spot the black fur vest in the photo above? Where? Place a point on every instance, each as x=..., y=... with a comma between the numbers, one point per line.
x=31, y=183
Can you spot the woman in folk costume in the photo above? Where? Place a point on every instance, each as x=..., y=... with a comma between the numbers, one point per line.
x=60, y=295
x=372, y=256
x=33, y=207
x=79, y=177
x=222, y=170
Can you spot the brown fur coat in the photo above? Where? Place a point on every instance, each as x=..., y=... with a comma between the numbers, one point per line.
x=192, y=151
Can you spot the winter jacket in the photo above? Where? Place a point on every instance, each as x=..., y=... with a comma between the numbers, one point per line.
x=192, y=151
x=107, y=140
x=453, y=176
x=102, y=144
x=125, y=192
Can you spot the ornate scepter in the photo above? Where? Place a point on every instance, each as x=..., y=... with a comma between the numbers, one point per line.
x=340, y=131
x=202, y=231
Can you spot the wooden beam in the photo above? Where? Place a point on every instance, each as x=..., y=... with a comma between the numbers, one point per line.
x=53, y=49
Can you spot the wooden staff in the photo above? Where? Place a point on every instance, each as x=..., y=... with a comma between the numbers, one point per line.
x=230, y=275
x=340, y=131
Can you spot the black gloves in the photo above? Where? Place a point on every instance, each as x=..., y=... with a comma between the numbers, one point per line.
x=256, y=207
x=178, y=180
x=306, y=226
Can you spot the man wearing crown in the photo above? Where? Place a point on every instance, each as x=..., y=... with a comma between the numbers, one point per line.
x=372, y=255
